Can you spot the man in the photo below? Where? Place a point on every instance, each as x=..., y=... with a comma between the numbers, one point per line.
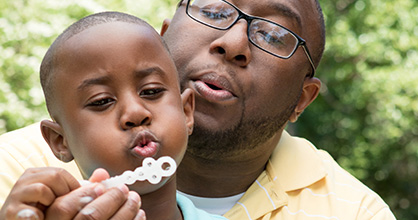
x=251, y=65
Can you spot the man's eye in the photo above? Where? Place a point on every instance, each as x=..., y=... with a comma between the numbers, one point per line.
x=271, y=37
x=150, y=93
x=215, y=15
x=217, y=12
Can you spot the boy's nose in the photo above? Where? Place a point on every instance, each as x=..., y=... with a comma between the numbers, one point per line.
x=134, y=114
x=234, y=45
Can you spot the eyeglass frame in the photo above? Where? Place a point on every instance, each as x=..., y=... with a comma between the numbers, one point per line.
x=249, y=19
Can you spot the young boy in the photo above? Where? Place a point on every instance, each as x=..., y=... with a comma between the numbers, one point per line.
x=113, y=94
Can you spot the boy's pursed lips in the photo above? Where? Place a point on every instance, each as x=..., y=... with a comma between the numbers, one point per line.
x=145, y=144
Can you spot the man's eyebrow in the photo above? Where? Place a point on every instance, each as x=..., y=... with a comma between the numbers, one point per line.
x=286, y=11
x=93, y=81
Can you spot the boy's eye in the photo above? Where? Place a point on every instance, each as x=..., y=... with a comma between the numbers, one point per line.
x=100, y=103
x=151, y=93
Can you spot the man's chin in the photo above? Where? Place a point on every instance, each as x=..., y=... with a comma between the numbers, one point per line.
x=217, y=142
x=213, y=121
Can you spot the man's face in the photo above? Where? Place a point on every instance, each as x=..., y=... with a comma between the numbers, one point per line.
x=118, y=99
x=243, y=95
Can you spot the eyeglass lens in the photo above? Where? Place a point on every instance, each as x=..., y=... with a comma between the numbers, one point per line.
x=264, y=34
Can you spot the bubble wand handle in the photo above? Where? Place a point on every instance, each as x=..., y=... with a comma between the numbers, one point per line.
x=151, y=170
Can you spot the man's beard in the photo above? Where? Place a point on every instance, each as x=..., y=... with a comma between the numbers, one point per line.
x=244, y=137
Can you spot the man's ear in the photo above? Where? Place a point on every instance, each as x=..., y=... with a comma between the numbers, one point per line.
x=165, y=25
x=187, y=98
x=310, y=91
x=53, y=135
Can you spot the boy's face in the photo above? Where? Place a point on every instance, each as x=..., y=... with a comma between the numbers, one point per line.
x=117, y=99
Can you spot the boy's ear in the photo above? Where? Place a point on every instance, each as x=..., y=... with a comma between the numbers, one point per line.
x=310, y=91
x=165, y=25
x=53, y=135
x=187, y=98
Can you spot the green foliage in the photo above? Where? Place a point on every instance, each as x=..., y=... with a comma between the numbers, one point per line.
x=366, y=114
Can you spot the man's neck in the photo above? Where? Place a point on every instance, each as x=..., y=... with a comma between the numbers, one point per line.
x=223, y=177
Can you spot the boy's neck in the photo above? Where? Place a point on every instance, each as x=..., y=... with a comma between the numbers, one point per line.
x=162, y=203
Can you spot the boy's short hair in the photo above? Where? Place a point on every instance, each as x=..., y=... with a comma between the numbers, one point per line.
x=49, y=62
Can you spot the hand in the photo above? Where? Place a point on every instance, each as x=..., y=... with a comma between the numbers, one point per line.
x=93, y=201
x=35, y=190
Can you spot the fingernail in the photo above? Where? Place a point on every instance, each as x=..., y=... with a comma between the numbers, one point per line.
x=85, y=200
x=123, y=188
x=134, y=197
x=140, y=215
x=87, y=211
x=27, y=214
x=99, y=189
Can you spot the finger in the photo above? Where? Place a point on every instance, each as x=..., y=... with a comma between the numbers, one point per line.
x=27, y=214
x=140, y=215
x=99, y=175
x=68, y=206
x=130, y=208
x=58, y=180
x=36, y=193
x=106, y=205
x=23, y=212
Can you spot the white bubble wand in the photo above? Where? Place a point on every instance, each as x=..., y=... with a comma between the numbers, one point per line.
x=151, y=170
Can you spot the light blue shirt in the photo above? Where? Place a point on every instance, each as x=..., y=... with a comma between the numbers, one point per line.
x=190, y=212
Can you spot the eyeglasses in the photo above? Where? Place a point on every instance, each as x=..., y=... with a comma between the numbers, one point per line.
x=268, y=36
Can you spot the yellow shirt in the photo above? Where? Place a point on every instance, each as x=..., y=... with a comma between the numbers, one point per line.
x=300, y=182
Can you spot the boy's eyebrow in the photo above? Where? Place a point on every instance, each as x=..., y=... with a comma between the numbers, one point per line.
x=149, y=71
x=104, y=79
x=93, y=81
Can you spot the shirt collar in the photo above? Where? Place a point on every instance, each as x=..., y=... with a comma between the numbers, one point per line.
x=295, y=163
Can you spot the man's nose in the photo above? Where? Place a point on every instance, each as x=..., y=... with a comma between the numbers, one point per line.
x=234, y=45
x=134, y=113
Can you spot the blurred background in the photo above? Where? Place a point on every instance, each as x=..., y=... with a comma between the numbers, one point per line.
x=366, y=115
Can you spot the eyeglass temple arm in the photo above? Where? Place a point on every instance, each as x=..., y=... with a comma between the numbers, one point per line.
x=310, y=59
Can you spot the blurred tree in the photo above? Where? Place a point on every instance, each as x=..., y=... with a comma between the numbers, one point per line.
x=366, y=114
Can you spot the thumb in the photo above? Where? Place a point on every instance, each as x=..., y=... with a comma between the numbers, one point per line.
x=99, y=175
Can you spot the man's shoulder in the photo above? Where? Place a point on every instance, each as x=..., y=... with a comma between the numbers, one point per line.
x=27, y=147
x=327, y=189
x=29, y=132
x=348, y=189
x=24, y=144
